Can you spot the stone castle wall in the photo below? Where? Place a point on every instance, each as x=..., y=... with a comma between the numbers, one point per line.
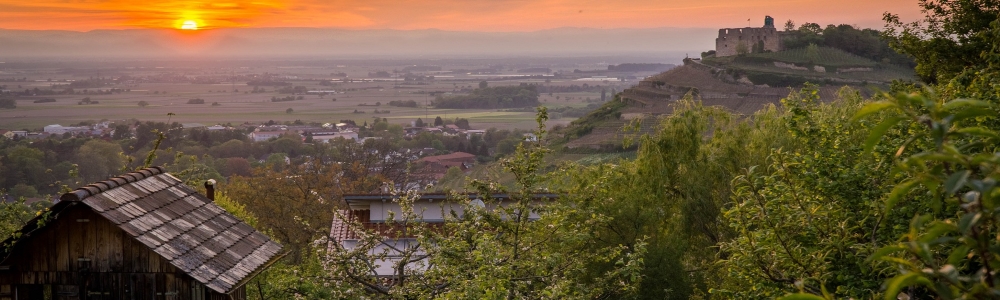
x=730, y=38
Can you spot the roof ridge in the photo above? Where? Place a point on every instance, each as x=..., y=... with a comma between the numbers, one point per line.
x=102, y=186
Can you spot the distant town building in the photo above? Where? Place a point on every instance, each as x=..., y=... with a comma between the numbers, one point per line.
x=15, y=133
x=59, y=129
x=262, y=135
x=325, y=137
x=733, y=41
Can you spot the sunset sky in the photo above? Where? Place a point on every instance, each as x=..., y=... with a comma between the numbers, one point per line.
x=456, y=15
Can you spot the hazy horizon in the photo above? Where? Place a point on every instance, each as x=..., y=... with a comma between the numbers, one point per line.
x=285, y=42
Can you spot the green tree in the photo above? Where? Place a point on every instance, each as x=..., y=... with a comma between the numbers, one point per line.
x=462, y=123
x=13, y=215
x=289, y=110
x=8, y=103
x=483, y=84
x=99, y=160
x=951, y=250
x=812, y=53
x=438, y=121
x=741, y=49
x=143, y=103
x=23, y=191
x=454, y=174
x=946, y=43
x=25, y=165
x=491, y=250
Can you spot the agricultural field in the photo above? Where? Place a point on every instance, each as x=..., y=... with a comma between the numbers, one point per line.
x=235, y=102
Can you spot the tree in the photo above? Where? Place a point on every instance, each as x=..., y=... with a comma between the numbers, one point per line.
x=99, y=160
x=14, y=214
x=463, y=123
x=8, y=103
x=289, y=110
x=521, y=250
x=438, y=121
x=23, y=191
x=483, y=84
x=453, y=174
x=419, y=123
x=143, y=103
x=25, y=165
x=789, y=25
x=952, y=34
x=812, y=53
x=741, y=49
x=294, y=204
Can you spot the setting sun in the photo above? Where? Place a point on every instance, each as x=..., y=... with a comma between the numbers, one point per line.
x=189, y=25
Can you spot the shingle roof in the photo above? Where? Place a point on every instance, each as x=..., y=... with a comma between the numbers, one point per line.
x=182, y=225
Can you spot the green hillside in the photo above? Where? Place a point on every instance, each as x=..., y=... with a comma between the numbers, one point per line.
x=825, y=56
x=823, y=65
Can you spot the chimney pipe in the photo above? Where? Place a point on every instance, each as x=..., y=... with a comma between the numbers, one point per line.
x=210, y=189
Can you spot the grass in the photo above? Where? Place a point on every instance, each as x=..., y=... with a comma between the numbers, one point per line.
x=831, y=58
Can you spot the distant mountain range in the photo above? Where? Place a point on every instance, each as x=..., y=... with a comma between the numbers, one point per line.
x=318, y=42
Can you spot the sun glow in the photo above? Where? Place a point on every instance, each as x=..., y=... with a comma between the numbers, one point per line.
x=189, y=25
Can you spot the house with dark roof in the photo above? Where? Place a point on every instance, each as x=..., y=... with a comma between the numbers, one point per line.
x=142, y=235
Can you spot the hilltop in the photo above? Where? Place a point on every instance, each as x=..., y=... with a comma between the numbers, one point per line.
x=742, y=84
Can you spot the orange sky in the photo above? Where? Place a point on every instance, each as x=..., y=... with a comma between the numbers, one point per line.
x=460, y=15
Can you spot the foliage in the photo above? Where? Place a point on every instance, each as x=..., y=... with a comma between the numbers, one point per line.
x=952, y=33
x=14, y=214
x=99, y=160
x=493, y=250
x=8, y=103
x=952, y=251
x=403, y=103
x=865, y=43
x=492, y=97
x=23, y=191
x=294, y=204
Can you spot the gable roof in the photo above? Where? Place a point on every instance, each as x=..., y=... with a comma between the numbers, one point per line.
x=180, y=224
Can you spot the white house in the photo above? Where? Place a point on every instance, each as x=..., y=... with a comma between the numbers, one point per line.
x=59, y=129
x=260, y=136
x=372, y=211
x=325, y=137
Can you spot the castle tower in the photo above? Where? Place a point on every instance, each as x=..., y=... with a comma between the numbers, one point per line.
x=768, y=22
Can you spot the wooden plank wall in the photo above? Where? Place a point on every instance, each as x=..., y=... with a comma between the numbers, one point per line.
x=119, y=266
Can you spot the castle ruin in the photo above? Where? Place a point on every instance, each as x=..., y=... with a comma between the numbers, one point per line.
x=733, y=41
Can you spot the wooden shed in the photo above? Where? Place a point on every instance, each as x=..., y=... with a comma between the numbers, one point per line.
x=142, y=235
